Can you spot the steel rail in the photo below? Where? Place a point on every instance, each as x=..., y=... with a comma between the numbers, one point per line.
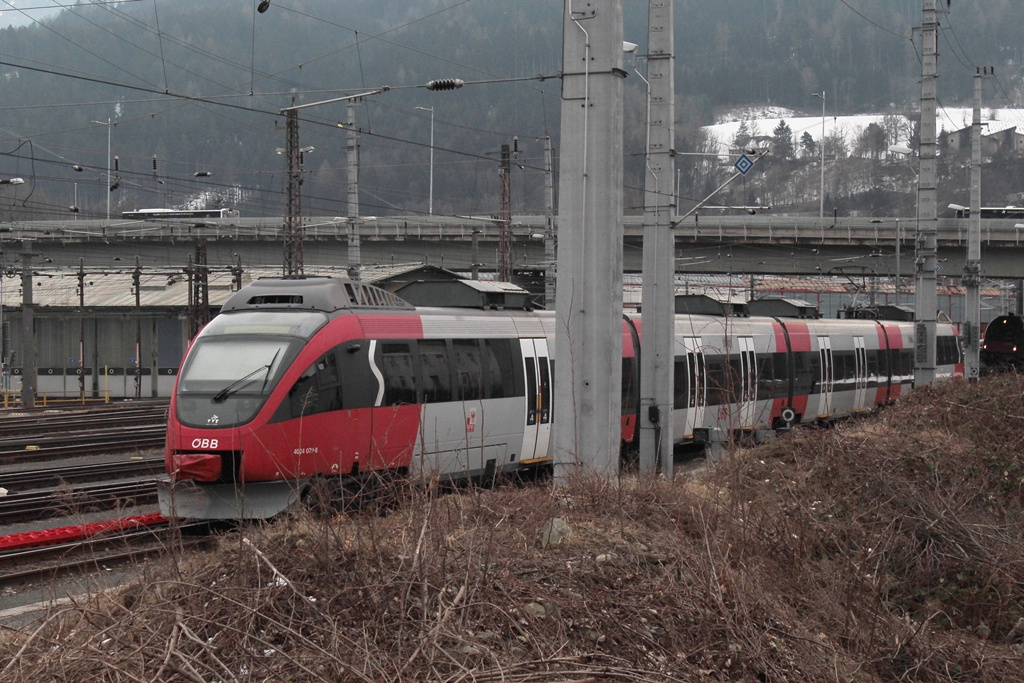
x=19, y=507
x=71, y=474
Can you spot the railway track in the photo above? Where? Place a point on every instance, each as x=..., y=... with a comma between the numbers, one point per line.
x=74, y=443
x=79, y=500
x=75, y=474
x=40, y=436
x=20, y=421
x=60, y=469
x=96, y=553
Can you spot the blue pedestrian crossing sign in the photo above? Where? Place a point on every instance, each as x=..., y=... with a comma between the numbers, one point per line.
x=744, y=164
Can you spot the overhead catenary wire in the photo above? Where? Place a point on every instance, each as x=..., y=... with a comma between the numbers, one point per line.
x=179, y=96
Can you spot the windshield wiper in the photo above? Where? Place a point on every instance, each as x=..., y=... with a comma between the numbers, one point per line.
x=237, y=385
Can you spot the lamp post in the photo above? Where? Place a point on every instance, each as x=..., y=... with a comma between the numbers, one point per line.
x=108, y=124
x=903, y=151
x=821, y=193
x=898, y=278
x=430, y=209
x=3, y=356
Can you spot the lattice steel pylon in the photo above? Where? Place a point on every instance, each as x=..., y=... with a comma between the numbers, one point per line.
x=293, y=218
x=198, y=289
x=505, y=219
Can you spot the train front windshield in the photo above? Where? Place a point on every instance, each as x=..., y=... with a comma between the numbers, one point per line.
x=235, y=363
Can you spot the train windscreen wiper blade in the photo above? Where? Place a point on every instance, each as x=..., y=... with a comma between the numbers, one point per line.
x=237, y=385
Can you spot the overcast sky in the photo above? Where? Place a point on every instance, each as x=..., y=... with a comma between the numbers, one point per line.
x=23, y=12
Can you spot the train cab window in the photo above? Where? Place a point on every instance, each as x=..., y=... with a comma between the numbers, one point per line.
x=502, y=361
x=435, y=372
x=468, y=369
x=359, y=384
x=318, y=389
x=396, y=364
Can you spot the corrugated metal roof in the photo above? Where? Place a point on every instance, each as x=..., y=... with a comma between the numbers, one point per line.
x=493, y=286
x=114, y=289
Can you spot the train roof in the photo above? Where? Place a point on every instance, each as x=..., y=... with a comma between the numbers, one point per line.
x=312, y=293
x=779, y=307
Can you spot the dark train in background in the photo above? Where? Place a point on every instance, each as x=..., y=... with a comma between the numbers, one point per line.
x=299, y=379
x=1002, y=347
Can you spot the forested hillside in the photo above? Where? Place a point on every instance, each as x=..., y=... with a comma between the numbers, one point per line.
x=194, y=87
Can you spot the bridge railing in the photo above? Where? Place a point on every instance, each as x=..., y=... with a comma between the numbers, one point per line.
x=758, y=228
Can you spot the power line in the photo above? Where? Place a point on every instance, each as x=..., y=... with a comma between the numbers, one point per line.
x=873, y=22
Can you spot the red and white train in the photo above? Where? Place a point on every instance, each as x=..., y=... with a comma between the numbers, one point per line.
x=306, y=378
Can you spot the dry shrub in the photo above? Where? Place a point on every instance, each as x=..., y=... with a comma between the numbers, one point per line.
x=873, y=551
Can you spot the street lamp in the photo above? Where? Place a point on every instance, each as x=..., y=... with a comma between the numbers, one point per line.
x=108, y=124
x=430, y=209
x=821, y=193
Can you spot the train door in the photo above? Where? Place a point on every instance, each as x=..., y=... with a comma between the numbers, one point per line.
x=696, y=386
x=860, y=355
x=537, y=430
x=747, y=399
x=826, y=377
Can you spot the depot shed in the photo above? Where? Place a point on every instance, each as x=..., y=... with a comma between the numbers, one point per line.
x=95, y=338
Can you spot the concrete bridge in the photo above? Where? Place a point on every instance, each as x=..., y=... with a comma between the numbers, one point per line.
x=761, y=244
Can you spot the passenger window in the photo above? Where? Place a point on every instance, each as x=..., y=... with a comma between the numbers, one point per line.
x=434, y=371
x=503, y=369
x=469, y=379
x=360, y=386
x=717, y=377
x=399, y=373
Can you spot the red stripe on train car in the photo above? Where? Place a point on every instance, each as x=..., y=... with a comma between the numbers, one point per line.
x=627, y=340
x=383, y=325
x=395, y=428
x=895, y=333
x=779, y=404
x=799, y=342
x=882, y=392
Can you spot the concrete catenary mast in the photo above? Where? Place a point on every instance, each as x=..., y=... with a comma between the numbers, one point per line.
x=588, y=379
x=926, y=299
x=972, y=266
x=658, y=311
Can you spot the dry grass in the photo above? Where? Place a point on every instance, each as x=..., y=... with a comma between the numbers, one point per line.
x=884, y=549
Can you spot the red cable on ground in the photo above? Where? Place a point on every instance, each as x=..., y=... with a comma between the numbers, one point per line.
x=78, y=532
